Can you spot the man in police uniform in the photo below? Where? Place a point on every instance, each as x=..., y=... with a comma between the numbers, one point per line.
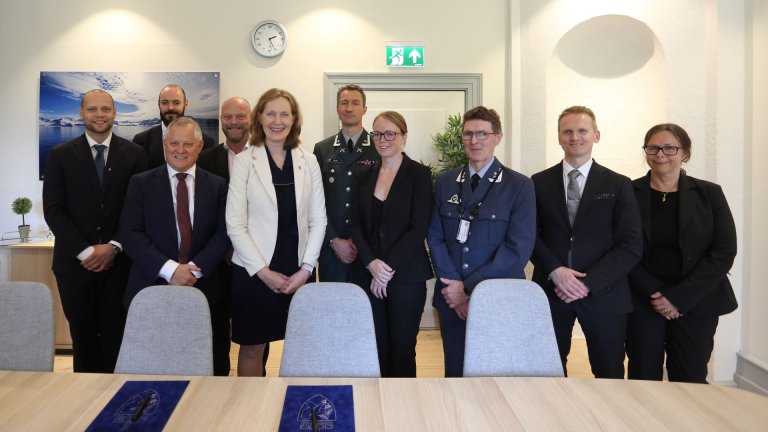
x=339, y=156
x=483, y=227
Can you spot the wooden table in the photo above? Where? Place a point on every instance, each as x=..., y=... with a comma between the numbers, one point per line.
x=36, y=401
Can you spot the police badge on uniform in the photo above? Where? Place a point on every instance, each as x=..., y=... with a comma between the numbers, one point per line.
x=454, y=199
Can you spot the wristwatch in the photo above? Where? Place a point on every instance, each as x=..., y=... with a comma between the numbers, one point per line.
x=116, y=248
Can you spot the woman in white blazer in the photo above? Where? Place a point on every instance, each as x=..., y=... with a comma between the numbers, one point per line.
x=276, y=221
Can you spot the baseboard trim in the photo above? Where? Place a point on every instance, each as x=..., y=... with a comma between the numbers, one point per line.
x=751, y=374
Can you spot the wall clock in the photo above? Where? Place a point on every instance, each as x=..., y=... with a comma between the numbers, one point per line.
x=269, y=38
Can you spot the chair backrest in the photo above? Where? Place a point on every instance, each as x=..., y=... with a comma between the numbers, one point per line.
x=167, y=332
x=26, y=327
x=330, y=333
x=509, y=331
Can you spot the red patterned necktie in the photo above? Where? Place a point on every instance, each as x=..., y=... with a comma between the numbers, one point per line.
x=182, y=218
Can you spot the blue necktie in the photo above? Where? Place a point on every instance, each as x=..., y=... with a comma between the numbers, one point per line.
x=100, y=161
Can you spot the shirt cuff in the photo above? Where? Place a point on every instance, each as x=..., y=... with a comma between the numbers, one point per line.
x=197, y=274
x=85, y=253
x=308, y=267
x=166, y=271
x=116, y=243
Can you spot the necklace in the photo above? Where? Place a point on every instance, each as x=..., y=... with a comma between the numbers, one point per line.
x=664, y=196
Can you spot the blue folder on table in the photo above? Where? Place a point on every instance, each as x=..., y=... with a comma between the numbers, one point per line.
x=140, y=406
x=321, y=408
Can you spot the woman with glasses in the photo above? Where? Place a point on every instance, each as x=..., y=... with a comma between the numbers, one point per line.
x=681, y=287
x=276, y=221
x=390, y=211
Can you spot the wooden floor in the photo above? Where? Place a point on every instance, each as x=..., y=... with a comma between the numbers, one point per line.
x=429, y=357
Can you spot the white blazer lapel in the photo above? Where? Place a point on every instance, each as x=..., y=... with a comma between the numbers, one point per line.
x=299, y=170
x=261, y=166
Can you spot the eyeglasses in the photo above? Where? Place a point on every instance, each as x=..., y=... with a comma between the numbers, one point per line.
x=480, y=135
x=667, y=150
x=388, y=135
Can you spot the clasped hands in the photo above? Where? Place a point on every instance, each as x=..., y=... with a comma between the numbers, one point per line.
x=568, y=284
x=345, y=250
x=455, y=297
x=664, y=307
x=382, y=274
x=102, y=258
x=282, y=284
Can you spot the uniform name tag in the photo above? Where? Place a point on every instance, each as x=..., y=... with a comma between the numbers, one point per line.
x=463, y=232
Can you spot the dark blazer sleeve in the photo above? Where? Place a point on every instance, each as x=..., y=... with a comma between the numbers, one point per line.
x=713, y=262
x=55, y=205
x=627, y=248
x=360, y=209
x=144, y=194
x=436, y=235
x=210, y=243
x=420, y=197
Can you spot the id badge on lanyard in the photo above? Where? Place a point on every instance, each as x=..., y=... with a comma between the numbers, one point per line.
x=463, y=233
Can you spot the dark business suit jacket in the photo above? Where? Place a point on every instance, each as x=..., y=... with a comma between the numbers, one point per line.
x=79, y=210
x=707, y=240
x=152, y=142
x=148, y=229
x=404, y=221
x=606, y=237
x=215, y=160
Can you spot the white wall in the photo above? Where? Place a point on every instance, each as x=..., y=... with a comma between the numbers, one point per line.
x=142, y=35
x=754, y=348
x=693, y=75
x=698, y=61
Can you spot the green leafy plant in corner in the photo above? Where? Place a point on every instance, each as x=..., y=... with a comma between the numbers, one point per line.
x=22, y=206
x=449, y=146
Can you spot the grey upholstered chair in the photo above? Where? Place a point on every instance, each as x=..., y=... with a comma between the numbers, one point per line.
x=167, y=332
x=26, y=327
x=510, y=332
x=330, y=333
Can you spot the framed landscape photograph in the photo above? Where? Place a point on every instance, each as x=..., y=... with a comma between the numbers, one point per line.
x=135, y=95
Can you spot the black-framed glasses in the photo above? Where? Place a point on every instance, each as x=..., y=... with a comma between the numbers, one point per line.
x=667, y=150
x=480, y=135
x=388, y=135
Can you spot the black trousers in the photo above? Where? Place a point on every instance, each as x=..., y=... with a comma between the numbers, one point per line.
x=687, y=342
x=396, y=319
x=453, y=330
x=93, y=305
x=605, y=333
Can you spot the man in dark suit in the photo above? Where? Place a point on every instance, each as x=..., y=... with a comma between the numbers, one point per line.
x=483, y=227
x=173, y=228
x=589, y=238
x=339, y=156
x=172, y=103
x=85, y=184
x=236, y=124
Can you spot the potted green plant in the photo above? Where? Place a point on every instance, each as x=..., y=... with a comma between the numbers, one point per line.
x=22, y=206
x=449, y=146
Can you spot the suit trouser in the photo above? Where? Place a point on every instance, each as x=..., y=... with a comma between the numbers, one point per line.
x=453, y=331
x=93, y=305
x=396, y=319
x=605, y=333
x=688, y=342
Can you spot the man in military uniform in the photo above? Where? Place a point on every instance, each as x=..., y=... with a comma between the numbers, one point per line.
x=339, y=156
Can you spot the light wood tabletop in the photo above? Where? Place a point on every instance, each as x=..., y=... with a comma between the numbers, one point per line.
x=38, y=401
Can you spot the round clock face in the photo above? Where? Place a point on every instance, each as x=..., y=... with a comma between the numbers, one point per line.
x=269, y=39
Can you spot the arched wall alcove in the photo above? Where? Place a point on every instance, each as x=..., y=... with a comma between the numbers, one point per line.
x=615, y=65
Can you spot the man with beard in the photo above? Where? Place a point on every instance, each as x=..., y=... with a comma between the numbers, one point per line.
x=235, y=123
x=339, y=156
x=85, y=184
x=172, y=103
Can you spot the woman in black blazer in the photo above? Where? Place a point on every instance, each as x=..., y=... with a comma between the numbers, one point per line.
x=681, y=287
x=390, y=211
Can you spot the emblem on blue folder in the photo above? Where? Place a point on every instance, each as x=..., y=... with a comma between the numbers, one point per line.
x=138, y=408
x=324, y=409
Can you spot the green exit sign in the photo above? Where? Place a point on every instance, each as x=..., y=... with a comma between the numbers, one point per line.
x=405, y=56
